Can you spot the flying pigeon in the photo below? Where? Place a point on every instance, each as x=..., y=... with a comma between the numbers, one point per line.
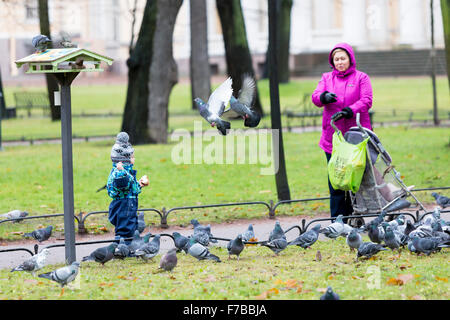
x=213, y=110
x=41, y=42
x=201, y=252
x=277, y=232
x=169, y=260
x=150, y=249
x=63, y=275
x=354, y=240
x=141, y=222
x=243, y=104
x=368, y=249
x=306, y=239
x=335, y=229
x=441, y=200
x=36, y=262
x=66, y=42
x=235, y=246
x=122, y=251
x=248, y=234
x=40, y=234
x=276, y=245
x=330, y=295
x=181, y=242
x=15, y=214
x=102, y=255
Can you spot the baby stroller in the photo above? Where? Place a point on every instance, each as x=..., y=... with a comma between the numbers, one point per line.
x=382, y=188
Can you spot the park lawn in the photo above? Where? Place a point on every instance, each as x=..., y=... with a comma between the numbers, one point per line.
x=293, y=275
x=394, y=100
x=32, y=177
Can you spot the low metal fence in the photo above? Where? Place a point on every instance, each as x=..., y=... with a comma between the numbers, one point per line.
x=271, y=206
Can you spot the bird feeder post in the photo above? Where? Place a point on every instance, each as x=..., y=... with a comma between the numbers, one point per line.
x=65, y=65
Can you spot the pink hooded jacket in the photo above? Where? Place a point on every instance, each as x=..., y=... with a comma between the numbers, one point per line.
x=353, y=89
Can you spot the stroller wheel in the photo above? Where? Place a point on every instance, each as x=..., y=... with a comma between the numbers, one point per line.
x=356, y=222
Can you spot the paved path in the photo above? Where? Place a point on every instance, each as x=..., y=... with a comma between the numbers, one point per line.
x=262, y=228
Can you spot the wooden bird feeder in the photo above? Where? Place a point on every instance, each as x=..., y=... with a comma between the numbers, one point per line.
x=65, y=64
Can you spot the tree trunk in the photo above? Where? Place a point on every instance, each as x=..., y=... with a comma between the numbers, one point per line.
x=284, y=34
x=135, y=115
x=275, y=115
x=199, y=66
x=445, y=9
x=284, y=8
x=163, y=70
x=52, y=84
x=239, y=60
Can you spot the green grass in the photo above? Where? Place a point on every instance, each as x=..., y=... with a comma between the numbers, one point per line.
x=32, y=178
x=294, y=274
x=404, y=95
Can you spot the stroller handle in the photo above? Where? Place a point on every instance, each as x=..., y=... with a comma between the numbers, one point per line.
x=358, y=123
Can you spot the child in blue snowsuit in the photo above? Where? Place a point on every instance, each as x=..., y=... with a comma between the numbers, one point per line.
x=123, y=188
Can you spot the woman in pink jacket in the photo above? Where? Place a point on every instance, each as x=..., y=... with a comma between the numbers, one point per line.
x=345, y=91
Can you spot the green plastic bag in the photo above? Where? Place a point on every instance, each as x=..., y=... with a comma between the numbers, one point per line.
x=347, y=163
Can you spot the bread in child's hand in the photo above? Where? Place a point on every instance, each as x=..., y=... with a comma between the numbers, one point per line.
x=144, y=180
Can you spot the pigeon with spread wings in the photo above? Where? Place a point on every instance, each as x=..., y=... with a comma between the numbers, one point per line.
x=215, y=107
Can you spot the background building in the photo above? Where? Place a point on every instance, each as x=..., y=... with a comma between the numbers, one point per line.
x=316, y=25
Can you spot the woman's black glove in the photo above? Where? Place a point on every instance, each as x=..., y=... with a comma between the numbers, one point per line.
x=347, y=113
x=327, y=97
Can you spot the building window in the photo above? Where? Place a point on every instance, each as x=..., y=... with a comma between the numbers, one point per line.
x=31, y=11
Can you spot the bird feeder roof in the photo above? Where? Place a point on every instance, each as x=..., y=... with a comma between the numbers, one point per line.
x=63, y=60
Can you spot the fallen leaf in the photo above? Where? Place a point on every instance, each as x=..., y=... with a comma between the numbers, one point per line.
x=265, y=191
x=394, y=281
x=210, y=278
x=416, y=297
x=441, y=279
x=321, y=290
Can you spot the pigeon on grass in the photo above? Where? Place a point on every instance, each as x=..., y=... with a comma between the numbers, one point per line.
x=40, y=234
x=63, y=275
x=150, y=249
x=369, y=249
x=249, y=234
x=276, y=245
x=235, y=246
x=277, y=232
x=141, y=222
x=15, y=214
x=335, y=229
x=306, y=239
x=330, y=295
x=102, y=255
x=122, y=251
x=201, y=252
x=169, y=260
x=441, y=200
x=36, y=262
x=181, y=242
x=354, y=240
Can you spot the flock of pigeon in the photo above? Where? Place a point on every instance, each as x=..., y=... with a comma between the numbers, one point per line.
x=213, y=110
x=424, y=237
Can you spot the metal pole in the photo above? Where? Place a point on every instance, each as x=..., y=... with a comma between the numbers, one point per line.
x=275, y=115
x=433, y=68
x=2, y=106
x=65, y=79
x=67, y=166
